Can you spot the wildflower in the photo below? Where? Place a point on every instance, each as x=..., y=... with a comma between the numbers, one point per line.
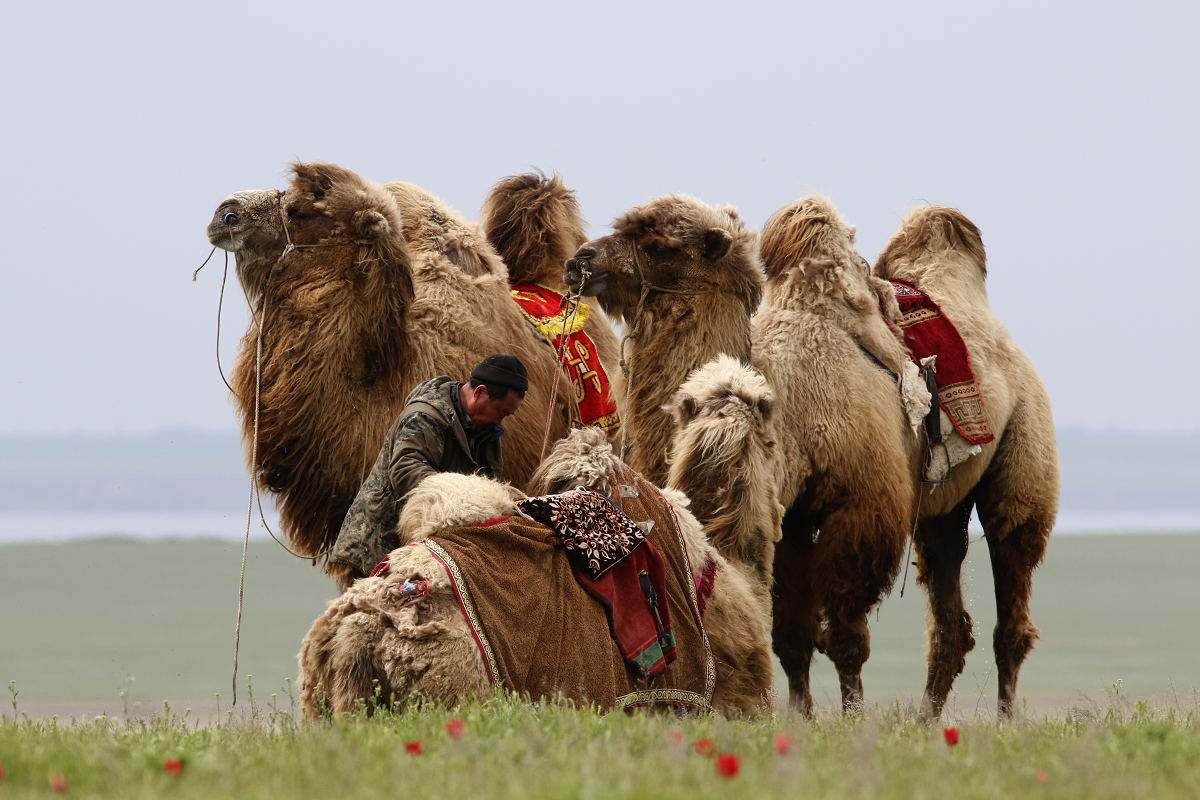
x=454, y=728
x=173, y=766
x=676, y=737
x=413, y=747
x=951, y=735
x=1042, y=777
x=704, y=746
x=1, y=772
x=58, y=783
x=783, y=744
x=727, y=765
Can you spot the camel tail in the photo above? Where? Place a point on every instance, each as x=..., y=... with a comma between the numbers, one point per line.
x=534, y=224
x=934, y=233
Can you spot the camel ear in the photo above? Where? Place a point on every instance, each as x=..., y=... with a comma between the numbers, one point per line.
x=369, y=222
x=685, y=409
x=766, y=405
x=717, y=242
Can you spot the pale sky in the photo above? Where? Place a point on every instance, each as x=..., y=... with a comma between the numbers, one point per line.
x=1067, y=132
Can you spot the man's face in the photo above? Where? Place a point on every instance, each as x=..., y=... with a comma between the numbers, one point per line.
x=485, y=411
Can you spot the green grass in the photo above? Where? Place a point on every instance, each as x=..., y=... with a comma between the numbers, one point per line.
x=514, y=750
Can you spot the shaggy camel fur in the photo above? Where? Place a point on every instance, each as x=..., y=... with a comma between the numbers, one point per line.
x=372, y=633
x=386, y=287
x=685, y=278
x=724, y=458
x=852, y=463
x=1013, y=484
x=534, y=224
x=845, y=444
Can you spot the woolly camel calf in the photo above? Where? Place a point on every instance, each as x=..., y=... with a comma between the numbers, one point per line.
x=366, y=291
x=535, y=225
x=724, y=459
x=375, y=633
x=685, y=278
x=852, y=461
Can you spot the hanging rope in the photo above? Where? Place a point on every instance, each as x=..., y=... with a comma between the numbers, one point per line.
x=564, y=342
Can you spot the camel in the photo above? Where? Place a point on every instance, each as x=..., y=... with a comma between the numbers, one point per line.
x=376, y=641
x=535, y=225
x=1013, y=484
x=685, y=278
x=828, y=343
x=366, y=291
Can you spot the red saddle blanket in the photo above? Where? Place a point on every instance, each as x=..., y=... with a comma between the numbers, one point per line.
x=541, y=633
x=555, y=319
x=929, y=332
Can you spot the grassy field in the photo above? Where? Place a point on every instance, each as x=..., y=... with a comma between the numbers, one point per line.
x=508, y=750
x=1111, y=709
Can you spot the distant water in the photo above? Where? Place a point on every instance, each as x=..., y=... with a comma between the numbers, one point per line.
x=43, y=527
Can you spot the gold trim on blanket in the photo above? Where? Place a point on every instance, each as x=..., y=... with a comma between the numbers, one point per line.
x=651, y=697
x=464, y=599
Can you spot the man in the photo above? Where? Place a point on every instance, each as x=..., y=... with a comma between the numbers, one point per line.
x=445, y=426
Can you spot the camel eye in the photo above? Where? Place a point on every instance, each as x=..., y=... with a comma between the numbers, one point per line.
x=659, y=251
x=231, y=218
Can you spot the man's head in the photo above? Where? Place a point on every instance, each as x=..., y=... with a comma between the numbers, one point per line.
x=498, y=385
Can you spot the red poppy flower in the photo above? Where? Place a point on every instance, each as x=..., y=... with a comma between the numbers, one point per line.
x=58, y=783
x=173, y=766
x=704, y=746
x=454, y=728
x=1, y=772
x=783, y=743
x=951, y=735
x=675, y=737
x=727, y=765
x=413, y=747
x=1042, y=777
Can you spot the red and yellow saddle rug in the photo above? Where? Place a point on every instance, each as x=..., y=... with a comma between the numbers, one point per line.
x=929, y=332
x=549, y=315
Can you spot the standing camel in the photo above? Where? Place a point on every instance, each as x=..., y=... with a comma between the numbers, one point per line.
x=685, y=278
x=827, y=342
x=1013, y=484
x=364, y=291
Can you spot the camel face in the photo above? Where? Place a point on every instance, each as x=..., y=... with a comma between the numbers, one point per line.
x=673, y=244
x=243, y=218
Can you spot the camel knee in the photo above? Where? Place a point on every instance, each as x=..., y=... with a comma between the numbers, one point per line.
x=1014, y=641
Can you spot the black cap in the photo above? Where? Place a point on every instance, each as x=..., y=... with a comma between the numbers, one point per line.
x=507, y=371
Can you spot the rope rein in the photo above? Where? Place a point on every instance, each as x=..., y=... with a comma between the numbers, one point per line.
x=568, y=323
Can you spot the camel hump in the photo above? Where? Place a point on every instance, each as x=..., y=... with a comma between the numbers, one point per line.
x=934, y=233
x=809, y=227
x=535, y=225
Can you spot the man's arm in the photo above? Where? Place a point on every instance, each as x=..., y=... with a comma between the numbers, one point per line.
x=417, y=452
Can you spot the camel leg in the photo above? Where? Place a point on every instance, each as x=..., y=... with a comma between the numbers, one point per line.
x=849, y=648
x=795, y=624
x=1014, y=557
x=941, y=545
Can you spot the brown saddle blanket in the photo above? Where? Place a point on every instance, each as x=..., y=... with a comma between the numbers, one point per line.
x=542, y=635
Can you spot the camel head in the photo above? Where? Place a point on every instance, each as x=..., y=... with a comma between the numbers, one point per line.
x=325, y=206
x=811, y=229
x=724, y=460
x=927, y=235
x=584, y=458
x=673, y=244
x=535, y=225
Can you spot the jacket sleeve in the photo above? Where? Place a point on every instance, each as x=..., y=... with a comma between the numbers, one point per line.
x=417, y=452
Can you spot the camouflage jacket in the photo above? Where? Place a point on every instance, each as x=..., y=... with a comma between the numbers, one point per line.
x=428, y=437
